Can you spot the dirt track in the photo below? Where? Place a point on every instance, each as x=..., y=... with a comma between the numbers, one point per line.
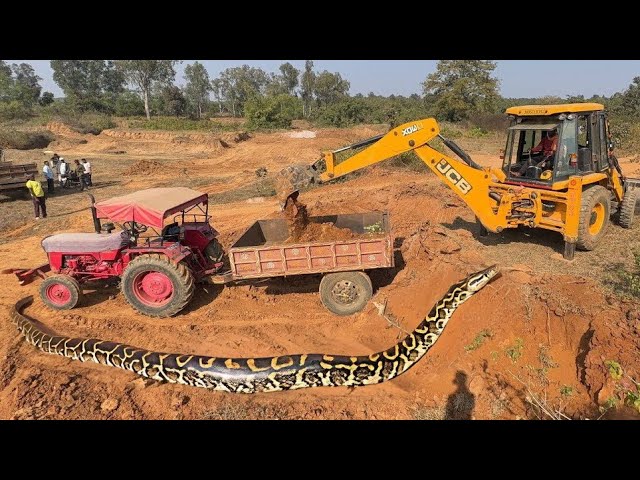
x=544, y=327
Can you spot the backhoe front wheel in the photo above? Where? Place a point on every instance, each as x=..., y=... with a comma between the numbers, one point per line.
x=594, y=217
x=156, y=287
x=345, y=293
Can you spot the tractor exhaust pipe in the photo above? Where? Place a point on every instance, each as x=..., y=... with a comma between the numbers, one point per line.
x=94, y=214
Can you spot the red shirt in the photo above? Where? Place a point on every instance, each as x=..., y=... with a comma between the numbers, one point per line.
x=546, y=145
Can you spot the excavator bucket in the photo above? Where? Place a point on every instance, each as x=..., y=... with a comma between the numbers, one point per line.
x=289, y=181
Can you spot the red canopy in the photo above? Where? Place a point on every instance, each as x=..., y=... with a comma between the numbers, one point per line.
x=151, y=206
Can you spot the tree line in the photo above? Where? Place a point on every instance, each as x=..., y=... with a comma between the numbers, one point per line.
x=458, y=90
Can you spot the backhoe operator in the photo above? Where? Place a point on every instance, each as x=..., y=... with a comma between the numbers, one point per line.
x=547, y=148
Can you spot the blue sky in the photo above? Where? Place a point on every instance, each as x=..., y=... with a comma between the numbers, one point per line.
x=518, y=78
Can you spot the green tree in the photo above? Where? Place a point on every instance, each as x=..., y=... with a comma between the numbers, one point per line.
x=629, y=101
x=129, y=105
x=349, y=111
x=26, y=84
x=19, y=90
x=217, y=88
x=171, y=101
x=289, y=77
x=6, y=82
x=330, y=87
x=46, y=99
x=89, y=84
x=461, y=87
x=271, y=112
x=307, y=87
x=145, y=74
x=238, y=84
x=198, y=86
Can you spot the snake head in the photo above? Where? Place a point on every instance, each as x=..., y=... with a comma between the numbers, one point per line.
x=477, y=280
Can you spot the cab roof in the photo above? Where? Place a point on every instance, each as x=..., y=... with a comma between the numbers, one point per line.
x=536, y=110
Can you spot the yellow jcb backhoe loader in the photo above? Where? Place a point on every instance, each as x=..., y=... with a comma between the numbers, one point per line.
x=570, y=191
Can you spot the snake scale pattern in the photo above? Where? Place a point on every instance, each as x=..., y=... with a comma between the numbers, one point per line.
x=251, y=375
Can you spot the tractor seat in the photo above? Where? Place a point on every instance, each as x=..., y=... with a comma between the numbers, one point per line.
x=84, y=242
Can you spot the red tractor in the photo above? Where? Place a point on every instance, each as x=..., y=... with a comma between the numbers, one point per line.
x=157, y=271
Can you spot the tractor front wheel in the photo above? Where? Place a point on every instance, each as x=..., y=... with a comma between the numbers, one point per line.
x=594, y=217
x=60, y=292
x=156, y=287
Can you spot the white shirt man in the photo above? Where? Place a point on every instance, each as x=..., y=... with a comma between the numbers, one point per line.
x=63, y=168
x=87, y=171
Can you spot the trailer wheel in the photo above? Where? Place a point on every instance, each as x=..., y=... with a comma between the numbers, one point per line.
x=156, y=287
x=61, y=292
x=345, y=293
x=594, y=217
x=628, y=208
x=214, y=251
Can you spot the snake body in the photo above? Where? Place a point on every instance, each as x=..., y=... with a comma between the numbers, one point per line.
x=270, y=374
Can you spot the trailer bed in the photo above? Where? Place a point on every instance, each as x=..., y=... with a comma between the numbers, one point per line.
x=261, y=250
x=13, y=177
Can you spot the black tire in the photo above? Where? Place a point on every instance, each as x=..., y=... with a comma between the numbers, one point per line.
x=179, y=275
x=214, y=251
x=628, y=208
x=345, y=293
x=594, y=217
x=61, y=292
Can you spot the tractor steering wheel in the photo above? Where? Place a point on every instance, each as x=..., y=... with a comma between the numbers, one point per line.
x=135, y=227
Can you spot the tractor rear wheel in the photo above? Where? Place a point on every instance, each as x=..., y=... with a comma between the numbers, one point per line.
x=628, y=208
x=156, y=287
x=594, y=217
x=61, y=292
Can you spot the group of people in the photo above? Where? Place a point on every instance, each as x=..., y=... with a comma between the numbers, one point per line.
x=81, y=171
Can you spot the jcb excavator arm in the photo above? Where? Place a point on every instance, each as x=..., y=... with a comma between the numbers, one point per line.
x=470, y=181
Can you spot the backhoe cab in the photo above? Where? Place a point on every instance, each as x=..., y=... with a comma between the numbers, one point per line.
x=558, y=172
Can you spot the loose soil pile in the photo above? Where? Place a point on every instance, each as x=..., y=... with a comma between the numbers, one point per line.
x=143, y=167
x=302, y=230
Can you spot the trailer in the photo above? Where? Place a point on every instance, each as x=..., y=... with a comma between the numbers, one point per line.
x=14, y=177
x=262, y=251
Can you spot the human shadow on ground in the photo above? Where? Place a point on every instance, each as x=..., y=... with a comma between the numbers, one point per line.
x=461, y=403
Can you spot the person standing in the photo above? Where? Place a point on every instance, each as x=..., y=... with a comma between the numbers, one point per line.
x=64, y=171
x=87, y=171
x=37, y=196
x=81, y=175
x=48, y=175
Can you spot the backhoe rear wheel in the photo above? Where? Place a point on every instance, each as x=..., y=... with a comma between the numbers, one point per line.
x=157, y=287
x=594, y=217
x=628, y=208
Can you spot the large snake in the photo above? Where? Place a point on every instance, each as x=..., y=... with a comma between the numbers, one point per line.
x=270, y=374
